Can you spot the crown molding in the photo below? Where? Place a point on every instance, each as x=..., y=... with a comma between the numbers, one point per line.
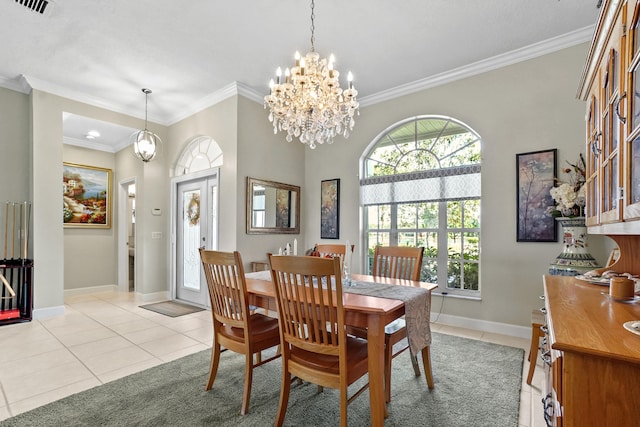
x=523, y=54
x=92, y=145
x=216, y=97
x=19, y=84
x=75, y=95
x=25, y=84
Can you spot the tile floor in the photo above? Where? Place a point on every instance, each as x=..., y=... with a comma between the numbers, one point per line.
x=105, y=336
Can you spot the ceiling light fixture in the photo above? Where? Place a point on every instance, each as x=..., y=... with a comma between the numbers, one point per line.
x=146, y=143
x=309, y=103
x=92, y=134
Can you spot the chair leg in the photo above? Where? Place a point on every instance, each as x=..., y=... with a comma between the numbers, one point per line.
x=213, y=369
x=343, y=406
x=248, y=377
x=284, y=396
x=426, y=361
x=388, y=354
x=533, y=351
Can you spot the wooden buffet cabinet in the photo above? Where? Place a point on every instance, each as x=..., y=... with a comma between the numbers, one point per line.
x=593, y=363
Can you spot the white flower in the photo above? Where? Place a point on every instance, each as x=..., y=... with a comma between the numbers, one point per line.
x=570, y=197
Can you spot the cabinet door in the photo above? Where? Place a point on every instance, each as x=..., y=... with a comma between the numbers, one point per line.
x=613, y=119
x=591, y=185
x=631, y=161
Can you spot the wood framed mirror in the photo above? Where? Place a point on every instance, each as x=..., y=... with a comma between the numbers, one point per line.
x=272, y=207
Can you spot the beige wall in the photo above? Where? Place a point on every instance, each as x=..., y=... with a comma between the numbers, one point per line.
x=219, y=122
x=524, y=107
x=241, y=129
x=14, y=147
x=90, y=253
x=48, y=236
x=264, y=155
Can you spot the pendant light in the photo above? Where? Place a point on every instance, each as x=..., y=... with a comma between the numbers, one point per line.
x=146, y=143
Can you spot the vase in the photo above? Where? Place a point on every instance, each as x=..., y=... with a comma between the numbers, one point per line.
x=575, y=258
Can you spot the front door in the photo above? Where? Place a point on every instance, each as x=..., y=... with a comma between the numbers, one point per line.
x=197, y=214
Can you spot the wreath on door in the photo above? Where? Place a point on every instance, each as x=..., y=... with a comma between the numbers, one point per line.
x=193, y=210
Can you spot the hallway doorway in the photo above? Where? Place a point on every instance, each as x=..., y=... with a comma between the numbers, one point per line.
x=127, y=235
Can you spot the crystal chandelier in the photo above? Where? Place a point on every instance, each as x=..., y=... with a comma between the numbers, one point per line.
x=146, y=144
x=309, y=103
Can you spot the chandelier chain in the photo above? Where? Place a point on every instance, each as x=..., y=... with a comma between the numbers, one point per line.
x=313, y=27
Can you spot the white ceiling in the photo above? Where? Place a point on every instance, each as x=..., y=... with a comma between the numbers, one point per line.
x=192, y=53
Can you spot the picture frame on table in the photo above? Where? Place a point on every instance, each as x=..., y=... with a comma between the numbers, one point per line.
x=330, y=209
x=536, y=173
x=87, y=196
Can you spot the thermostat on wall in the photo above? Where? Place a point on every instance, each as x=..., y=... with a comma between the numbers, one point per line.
x=156, y=211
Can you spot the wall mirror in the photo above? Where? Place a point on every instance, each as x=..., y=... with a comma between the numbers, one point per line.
x=272, y=207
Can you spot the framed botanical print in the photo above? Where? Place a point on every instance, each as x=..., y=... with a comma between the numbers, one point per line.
x=86, y=196
x=330, y=209
x=535, y=176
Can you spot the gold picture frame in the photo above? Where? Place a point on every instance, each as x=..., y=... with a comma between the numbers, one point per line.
x=86, y=196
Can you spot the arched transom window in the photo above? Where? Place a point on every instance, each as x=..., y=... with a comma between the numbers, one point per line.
x=200, y=154
x=420, y=186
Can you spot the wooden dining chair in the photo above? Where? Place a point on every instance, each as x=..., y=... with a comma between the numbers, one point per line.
x=315, y=346
x=333, y=250
x=235, y=326
x=398, y=262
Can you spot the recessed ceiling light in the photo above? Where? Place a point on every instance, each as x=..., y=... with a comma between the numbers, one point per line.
x=92, y=134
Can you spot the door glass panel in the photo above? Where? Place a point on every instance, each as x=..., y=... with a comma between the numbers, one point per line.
x=605, y=136
x=614, y=182
x=213, y=224
x=191, y=233
x=636, y=98
x=635, y=171
x=606, y=196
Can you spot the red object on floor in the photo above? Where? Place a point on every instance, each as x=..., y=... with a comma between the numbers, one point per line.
x=9, y=314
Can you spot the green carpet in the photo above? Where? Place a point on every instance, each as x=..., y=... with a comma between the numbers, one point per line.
x=476, y=384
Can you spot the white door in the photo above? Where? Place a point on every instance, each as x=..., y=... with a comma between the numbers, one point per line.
x=197, y=225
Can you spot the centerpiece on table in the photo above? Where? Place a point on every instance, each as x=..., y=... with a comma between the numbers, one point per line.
x=570, y=201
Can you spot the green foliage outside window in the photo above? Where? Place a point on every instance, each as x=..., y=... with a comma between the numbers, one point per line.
x=434, y=144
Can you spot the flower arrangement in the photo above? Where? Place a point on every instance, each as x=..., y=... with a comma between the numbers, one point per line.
x=570, y=195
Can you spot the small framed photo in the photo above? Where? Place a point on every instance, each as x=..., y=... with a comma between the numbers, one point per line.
x=535, y=176
x=86, y=194
x=330, y=209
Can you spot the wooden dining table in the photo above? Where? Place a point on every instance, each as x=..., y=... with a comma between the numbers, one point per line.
x=366, y=311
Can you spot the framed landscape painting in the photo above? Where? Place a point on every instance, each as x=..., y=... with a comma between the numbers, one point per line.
x=86, y=195
x=535, y=175
x=330, y=209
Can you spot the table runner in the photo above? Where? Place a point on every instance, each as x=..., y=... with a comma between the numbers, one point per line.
x=416, y=302
x=416, y=308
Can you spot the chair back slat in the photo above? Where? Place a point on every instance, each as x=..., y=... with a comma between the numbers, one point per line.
x=227, y=287
x=333, y=250
x=310, y=311
x=398, y=262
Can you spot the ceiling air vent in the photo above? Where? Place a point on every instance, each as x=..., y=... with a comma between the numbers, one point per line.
x=40, y=6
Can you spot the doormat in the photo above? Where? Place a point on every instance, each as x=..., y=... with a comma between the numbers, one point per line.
x=172, y=308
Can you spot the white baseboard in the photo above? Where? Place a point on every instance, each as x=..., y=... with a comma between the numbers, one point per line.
x=89, y=290
x=155, y=296
x=46, y=312
x=483, y=325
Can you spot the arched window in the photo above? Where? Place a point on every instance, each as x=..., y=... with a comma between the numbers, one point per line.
x=420, y=186
x=200, y=154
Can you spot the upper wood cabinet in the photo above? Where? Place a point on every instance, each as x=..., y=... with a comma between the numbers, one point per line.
x=610, y=85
